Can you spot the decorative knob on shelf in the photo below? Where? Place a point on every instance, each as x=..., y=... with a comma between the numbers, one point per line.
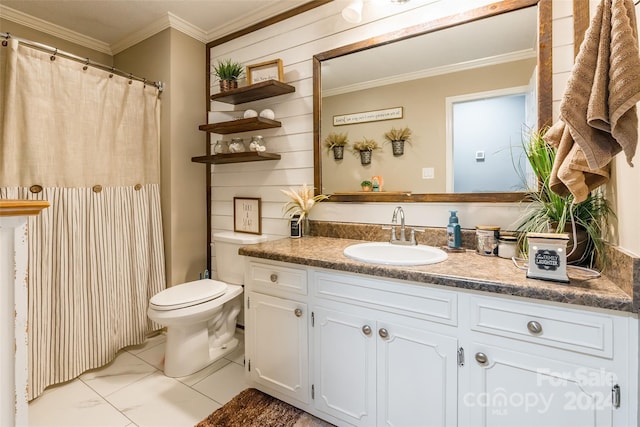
x=383, y=333
x=297, y=312
x=366, y=329
x=482, y=358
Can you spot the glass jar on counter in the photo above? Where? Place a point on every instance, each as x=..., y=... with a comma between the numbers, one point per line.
x=487, y=239
x=257, y=143
x=507, y=246
x=236, y=145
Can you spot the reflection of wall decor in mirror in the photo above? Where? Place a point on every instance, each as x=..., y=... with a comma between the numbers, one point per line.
x=247, y=215
x=495, y=47
x=368, y=116
x=268, y=70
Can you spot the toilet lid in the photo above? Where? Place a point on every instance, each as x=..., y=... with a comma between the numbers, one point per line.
x=188, y=294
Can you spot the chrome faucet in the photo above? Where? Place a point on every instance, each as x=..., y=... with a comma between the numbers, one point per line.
x=403, y=234
x=394, y=221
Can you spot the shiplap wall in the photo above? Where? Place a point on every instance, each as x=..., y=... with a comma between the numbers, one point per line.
x=295, y=41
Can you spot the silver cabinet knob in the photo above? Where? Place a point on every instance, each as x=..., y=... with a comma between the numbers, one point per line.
x=534, y=327
x=273, y=277
x=297, y=312
x=482, y=358
x=383, y=333
x=366, y=329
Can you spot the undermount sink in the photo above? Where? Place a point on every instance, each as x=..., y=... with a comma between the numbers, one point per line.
x=390, y=254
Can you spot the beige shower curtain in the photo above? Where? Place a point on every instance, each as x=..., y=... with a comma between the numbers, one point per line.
x=88, y=142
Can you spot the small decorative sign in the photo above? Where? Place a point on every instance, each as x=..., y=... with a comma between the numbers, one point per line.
x=368, y=116
x=269, y=70
x=247, y=215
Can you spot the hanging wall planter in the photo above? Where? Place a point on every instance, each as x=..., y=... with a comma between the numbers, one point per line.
x=336, y=142
x=365, y=147
x=365, y=157
x=397, y=147
x=397, y=138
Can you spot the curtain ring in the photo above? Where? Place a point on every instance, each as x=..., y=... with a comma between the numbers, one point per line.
x=137, y=187
x=112, y=69
x=5, y=43
x=97, y=188
x=130, y=78
x=53, y=57
x=35, y=189
x=86, y=65
x=144, y=82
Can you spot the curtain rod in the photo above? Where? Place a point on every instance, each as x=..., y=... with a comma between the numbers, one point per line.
x=55, y=51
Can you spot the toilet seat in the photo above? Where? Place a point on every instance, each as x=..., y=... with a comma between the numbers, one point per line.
x=188, y=294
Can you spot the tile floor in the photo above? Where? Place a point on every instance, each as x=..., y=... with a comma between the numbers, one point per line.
x=132, y=391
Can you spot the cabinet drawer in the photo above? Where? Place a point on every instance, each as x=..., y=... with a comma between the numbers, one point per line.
x=277, y=277
x=587, y=333
x=409, y=300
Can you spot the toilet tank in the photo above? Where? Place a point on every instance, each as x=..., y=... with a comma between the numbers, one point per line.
x=230, y=265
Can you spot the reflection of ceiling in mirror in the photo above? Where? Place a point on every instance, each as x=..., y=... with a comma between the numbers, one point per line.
x=509, y=34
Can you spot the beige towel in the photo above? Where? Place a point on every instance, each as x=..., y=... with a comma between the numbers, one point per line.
x=599, y=106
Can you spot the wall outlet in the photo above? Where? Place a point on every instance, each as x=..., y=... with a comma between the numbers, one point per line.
x=480, y=156
x=428, y=173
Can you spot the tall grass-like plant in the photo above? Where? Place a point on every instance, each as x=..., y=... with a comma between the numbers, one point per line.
x=550, y=212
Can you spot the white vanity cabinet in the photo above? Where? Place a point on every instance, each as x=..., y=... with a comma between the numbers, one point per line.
x=375, y=366
x=276, y=338
x=368, y=351
x=536, y=365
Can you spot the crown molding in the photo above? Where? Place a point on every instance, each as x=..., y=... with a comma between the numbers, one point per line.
x=168, y=21
x=54, y=30
x=263, y=13
x=431, y=72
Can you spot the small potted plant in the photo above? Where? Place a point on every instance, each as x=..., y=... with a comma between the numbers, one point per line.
x=366, y=185
x=365, y=148
x=397, y=138
x=336, y=142
x=228, y=73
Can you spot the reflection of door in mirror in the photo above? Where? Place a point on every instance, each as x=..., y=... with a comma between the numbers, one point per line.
x=485, y=134
x=424, y=112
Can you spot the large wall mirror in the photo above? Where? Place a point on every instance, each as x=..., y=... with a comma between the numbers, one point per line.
x=468, y=86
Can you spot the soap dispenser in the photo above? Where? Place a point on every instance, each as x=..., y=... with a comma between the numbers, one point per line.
x=454, y=240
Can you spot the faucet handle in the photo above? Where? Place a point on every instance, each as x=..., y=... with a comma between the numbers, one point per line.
x=415, y=230
x=393, y=231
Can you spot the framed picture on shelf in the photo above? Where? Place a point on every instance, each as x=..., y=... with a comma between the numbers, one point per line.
x=269, y=70
x=247, y=215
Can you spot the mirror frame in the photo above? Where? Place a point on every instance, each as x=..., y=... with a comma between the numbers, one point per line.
x=544, y=101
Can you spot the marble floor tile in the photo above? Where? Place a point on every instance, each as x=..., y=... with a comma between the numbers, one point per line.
x=224, y=384
x=158, y=401
x=153, y=356
x=153, y=341
x=195, y=378
x=74, y=404
x=124, y=370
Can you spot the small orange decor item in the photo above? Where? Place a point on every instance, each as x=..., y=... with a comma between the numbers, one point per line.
x=379, y=180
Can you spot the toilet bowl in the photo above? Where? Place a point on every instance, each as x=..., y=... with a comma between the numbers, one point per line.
x=200, y=316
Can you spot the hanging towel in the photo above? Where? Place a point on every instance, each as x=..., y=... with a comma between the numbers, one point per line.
x=598, y=111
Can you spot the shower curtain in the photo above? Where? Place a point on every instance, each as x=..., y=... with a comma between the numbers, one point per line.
x=88, y=142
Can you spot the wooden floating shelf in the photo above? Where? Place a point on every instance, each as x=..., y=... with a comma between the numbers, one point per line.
x=253, y=92
x=240, y=125
x=249, y=156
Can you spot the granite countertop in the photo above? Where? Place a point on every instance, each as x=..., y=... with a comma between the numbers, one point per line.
x=466, y=270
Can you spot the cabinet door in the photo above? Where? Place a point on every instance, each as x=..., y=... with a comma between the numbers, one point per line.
x=417, y=377
x=278, y=331
x=510, y=388
x=345, y=366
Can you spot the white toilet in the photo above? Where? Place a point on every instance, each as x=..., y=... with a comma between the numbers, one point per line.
x=200, y=316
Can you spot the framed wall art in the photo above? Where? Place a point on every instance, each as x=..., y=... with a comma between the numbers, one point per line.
x=247, y=215
x=269, y=70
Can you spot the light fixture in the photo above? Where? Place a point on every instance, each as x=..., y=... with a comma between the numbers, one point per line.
x=353, y=12
x=399, y=1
